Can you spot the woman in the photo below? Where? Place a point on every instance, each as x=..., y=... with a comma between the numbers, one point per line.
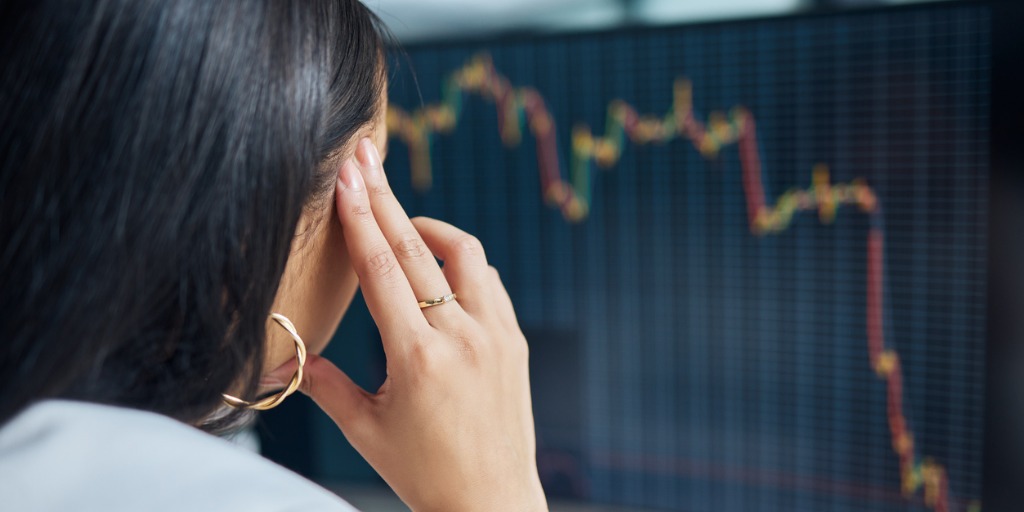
x=191, y=192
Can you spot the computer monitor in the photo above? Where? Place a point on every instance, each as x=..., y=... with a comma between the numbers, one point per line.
x=756, y=261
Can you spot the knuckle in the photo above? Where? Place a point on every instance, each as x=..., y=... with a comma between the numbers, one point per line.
x=468, y=245
x=381, y=263
x=410, y=247
x=381, y=189
x=433, y=359
x=424, y=356
x=361, y=212
x=467, y=339
x=464, y=346
x=513, y=346
x=522, y=347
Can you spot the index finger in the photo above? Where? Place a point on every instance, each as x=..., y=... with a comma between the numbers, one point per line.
x=385, y=287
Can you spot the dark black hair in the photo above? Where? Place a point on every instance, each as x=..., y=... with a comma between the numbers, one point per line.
x=156, y=156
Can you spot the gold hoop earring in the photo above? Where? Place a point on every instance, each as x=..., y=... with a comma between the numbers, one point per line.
x=274, y=400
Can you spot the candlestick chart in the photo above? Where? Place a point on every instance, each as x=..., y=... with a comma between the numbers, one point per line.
x=785, y=414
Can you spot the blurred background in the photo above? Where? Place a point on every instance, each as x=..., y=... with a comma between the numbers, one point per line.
x=755, y=266
x=418, y=21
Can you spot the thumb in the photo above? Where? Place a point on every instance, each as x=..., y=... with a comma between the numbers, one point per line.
x=332, y=390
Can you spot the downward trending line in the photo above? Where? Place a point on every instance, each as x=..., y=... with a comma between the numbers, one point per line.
x=519, y=107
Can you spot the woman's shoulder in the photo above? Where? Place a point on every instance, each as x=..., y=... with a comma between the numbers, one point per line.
x=66, y=455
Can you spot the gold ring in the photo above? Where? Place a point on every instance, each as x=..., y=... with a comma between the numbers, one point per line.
x=444, y=299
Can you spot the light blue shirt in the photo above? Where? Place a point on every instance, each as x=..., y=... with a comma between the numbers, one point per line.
x=76, y=456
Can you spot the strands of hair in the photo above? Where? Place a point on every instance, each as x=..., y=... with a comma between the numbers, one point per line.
x=156, y=157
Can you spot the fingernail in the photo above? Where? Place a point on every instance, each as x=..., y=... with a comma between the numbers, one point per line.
x=369, y=158
x=349, y=177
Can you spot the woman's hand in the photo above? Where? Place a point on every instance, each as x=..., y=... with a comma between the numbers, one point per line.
x=451, y=428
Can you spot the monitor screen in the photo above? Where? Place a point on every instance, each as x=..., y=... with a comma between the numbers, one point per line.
x=757, y=261
x=750, y=258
